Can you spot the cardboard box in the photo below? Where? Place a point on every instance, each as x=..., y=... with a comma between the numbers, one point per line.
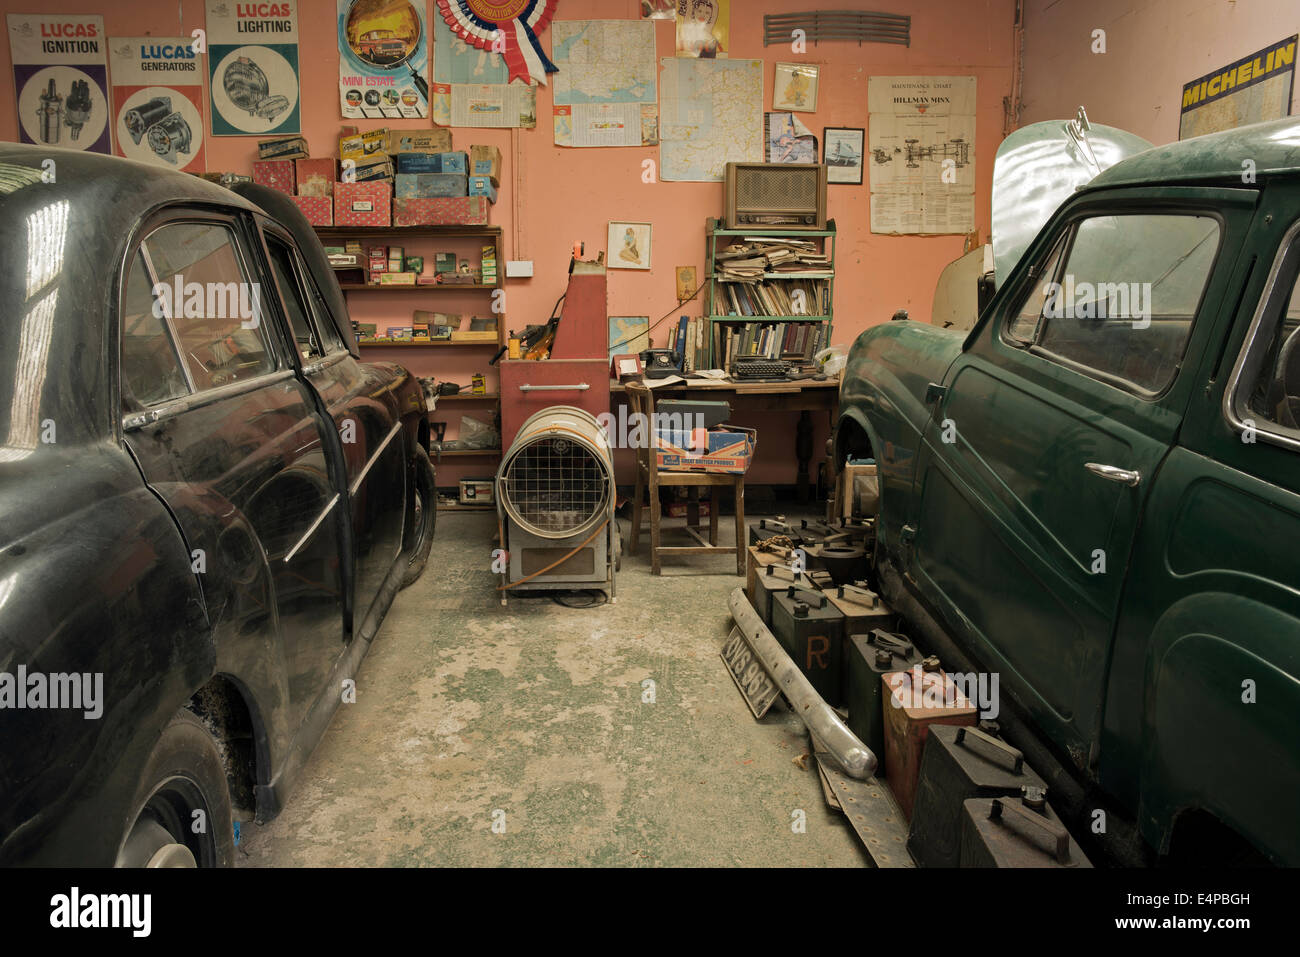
x=482, y=186
x=414, y=264
x=362, y=204
x=432, y=163
x=373, y=171
x=342, y=260
x=477, y=491
x=361, y=146
x=316, y=177
x=277, y=174
x=485, y=161
x=436, y=140
x=430, y=185
x=455, y=211
x=397, y=279
x=319, y=210
x=283, y=147
x=727, y=449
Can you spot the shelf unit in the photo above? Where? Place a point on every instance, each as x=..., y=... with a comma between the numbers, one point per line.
x=403, y=235
x=716, y=232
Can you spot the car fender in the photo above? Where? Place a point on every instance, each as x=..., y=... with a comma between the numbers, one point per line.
x=1213, y=679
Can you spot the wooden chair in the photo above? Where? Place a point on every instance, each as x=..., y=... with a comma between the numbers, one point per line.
x=649, y=476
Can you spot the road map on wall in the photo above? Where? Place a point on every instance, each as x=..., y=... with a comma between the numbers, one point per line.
x=606, y=92
x=711, y=114
x=921, y=155
x=472, y=87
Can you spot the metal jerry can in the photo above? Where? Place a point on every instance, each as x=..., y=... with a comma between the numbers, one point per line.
x=866, y=658
x=960, y=763
x=914, y=701
x=811, y=630
x=864, y=610
x=772, y=580
x=1016, y=832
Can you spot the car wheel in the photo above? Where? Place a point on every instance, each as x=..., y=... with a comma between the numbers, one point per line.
x=425, y=508
x=183, y=817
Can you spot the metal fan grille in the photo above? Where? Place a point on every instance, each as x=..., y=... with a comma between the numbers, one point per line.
x=556, y=486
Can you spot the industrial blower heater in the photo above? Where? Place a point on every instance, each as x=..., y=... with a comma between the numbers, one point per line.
x=555, y=502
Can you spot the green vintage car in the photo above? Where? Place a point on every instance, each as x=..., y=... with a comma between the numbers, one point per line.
x=1095, y=493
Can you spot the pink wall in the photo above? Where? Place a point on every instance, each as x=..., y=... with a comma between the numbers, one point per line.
x=1153, y=47
x=553, y=196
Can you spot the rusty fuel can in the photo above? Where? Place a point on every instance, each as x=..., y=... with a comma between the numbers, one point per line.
x=914, y=701
x=960, y=763
x=811, y=630
x=866, y=658
x=864, y=610
x=1018, y=831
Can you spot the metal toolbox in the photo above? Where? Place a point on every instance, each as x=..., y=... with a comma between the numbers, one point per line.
x=914, y=701
x=811, y=630
x=866, y=658
x=1007, y=832
x=960, y=763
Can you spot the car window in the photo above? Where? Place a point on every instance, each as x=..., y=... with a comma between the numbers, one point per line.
x=1274, y=395
x=308, y=298
x=1024, y=324
x=213, y=306
x=304, y=338
x=151, y=369
x=1121, y=306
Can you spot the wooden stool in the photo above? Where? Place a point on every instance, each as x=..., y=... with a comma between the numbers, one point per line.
x=641, y=402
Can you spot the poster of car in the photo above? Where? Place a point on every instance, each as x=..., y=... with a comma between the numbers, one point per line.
x=61, y=80
x=158, y=101
x=383, y=59
x=253, y=67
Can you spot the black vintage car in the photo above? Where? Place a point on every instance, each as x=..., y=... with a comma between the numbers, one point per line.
x=207, y=504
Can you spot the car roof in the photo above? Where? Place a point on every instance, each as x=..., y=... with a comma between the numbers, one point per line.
x=1273, y=147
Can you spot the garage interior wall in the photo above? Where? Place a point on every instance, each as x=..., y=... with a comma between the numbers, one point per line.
x=551, y=197
x=1152, y=49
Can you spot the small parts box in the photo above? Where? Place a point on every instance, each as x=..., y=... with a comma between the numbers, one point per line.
x=319, y=210
x=316, y=177
x=476, y=491
x=362, y=204
x=277, y=174
x=453, y=211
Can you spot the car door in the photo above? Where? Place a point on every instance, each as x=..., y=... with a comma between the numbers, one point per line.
x=366, y=421
x=228, y=436
x=1046, y=434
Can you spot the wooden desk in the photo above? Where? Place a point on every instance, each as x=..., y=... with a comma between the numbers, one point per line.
x=803, y=396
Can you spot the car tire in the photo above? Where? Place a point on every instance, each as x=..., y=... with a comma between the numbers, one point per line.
x=425, y=504
x=184, y=775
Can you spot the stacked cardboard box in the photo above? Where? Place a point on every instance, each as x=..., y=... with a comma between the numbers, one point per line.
x=277, y=174
x=363, y=204
x=282, y=148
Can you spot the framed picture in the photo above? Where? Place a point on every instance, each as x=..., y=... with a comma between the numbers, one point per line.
x=796, y=87
x=628, y=246
x=842, y=153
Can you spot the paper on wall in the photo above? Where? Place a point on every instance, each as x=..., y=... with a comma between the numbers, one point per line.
x=253, y=67
x=158, y=101
x=60, y=80
x=606, y=91
x=922, y=153
x=471, y=86
x=712, y=114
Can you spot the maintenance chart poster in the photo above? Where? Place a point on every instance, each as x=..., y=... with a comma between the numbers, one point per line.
x=383, y=59
x=158, y=101
x=61, y=80
x=922, y=154
x=1254, y=89
x=253, y=64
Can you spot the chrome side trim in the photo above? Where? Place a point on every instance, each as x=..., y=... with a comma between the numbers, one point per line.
x=1249, y=346
x=306, y=536
x=322, y=364
x=356, y=484
x=199, y=399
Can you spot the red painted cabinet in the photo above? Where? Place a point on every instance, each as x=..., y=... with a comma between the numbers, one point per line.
x=527, y=387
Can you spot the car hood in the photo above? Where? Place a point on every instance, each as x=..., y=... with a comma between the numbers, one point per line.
x=1040, y=166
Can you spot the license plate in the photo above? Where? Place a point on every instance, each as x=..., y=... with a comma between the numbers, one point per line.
x=756, y=687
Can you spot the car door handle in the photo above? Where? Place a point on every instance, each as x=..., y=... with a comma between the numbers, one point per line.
x=1113, y=474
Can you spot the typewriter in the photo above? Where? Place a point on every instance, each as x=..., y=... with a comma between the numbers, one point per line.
x=757, y=369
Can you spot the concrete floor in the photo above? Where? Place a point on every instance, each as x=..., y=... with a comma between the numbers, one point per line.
x=532, y=716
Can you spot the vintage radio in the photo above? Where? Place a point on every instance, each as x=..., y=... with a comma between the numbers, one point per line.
x=775, y=195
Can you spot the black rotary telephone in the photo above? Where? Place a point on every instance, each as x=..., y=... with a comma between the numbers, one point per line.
x=661, y=363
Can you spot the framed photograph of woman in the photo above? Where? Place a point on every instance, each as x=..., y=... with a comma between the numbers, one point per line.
x=842, y=153
x=628, y=246
x=796, y=87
